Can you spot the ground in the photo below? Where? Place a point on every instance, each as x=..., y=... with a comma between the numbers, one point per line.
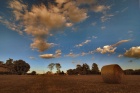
x=66, y=84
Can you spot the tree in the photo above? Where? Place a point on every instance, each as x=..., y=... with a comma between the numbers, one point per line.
x=33, y=73
x=58, y=66
x=85, y=69
x=95, y=69
x=79, y=69
x=21, y=67
x=1, y=62
x=51, y=66
x=10, y=65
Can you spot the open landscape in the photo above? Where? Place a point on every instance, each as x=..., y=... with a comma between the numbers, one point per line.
x=66, y=84
x=69, y=46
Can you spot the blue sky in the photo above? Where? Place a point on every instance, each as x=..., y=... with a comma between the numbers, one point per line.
x=70, y=32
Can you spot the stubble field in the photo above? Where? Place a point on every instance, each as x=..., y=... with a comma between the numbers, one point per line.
x=66, y=84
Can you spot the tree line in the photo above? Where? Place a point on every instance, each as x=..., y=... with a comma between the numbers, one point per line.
x=132, y=72
x=80, y=69
x=19, y=67
x=84, y=69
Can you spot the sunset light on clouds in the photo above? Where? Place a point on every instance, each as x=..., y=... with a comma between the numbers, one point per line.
x=70, y=31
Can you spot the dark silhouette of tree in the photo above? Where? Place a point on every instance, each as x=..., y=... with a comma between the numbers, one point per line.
x=78, y=69
x=58, y=66
x=51, y=66
x=85, y=69
x=21, y=67
x=33, y=73
x=1, y=62
x=71, y=72
x=95, y=69
x=10, y=65
x=62, y=73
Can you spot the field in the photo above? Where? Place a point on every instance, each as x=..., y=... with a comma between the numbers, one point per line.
x=66, y=84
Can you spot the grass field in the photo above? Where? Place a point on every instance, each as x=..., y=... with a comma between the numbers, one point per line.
x=66, y=84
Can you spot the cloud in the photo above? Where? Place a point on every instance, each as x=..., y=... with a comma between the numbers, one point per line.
x=120, y=55
x=74, y=13
x=47, y=56
x=12, y=26
x=40, y=21
x=124, y=9
x=103, y=27
x=94, y=37
x=110, y=48
x=83, y=43
x=58, y=53
x=86, y=1
x=100, y=8
x=71, y=54
x=103, y=9
x=133, y=52
x=31, y=57
x=69, y=24
x=106, y=17
x=105, y=49
x=120, y=42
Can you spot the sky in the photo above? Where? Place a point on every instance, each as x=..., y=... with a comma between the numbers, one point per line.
x=70, y=32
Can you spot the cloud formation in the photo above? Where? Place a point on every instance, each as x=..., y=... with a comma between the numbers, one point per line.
x=83, y=43
x=110, y=48
x=40, y=21
x=71, y=54
x=49, y=56
x=100, y=8
x=133, y=52
x=106, y=49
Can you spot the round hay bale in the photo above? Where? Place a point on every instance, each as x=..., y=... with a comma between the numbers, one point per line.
x=112, y=73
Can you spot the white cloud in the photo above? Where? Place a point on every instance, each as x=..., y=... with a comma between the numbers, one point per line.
x=47, y=56
x=133, y=52
x=83, y=43
x=69, y=24
x=106, y=49
x=110, y=48
x=94, y=37
x=120, y=55
x=58, y=53
x=120, y=42
x=71, y=54
x=106, y=17
x=100, y=8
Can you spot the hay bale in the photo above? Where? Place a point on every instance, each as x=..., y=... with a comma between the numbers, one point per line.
x=112, y=73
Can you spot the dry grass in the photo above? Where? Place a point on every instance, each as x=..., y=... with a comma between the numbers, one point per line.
x=66, y=84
